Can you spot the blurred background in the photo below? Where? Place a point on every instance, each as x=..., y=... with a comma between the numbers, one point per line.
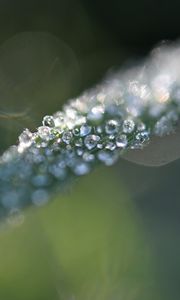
x=115, y=234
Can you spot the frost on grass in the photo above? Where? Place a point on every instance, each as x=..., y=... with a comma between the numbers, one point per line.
x=122, y=112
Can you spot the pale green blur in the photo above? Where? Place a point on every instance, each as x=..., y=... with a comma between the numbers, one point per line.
x=87, y=244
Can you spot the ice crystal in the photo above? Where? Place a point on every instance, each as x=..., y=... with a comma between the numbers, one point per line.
x=121, y=113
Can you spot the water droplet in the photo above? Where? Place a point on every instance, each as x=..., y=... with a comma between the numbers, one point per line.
x=69, y=147
x=76, y=131
x=107, y=157
x=96, y=114
x=121, y=141
x=67, y=137
x=141, y=126
x=40, y=180
x=9, y=155
x=78, y=142
x=48, y=121
x=25, y=140
x=89, y=157
x=79, y=151
x=111, y=127
x=57, y=171
x=85, y=130
x=100, y=145
x=110, y=146
x=81, y=169
x=59, y=119
x=57, y=132
x=163, y=126
x=128, y=126
x=48, y=152
x=40, y=197
x=70, y=112
x=44, y=133
x=10, y=199
x=91, y=141
x=98, y=129
x=142, y=137
x=113, y=110
x=25, y=137
x=112, y=137
x=172, y=116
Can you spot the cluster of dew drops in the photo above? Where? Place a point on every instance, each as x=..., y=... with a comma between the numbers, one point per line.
x=122, y=113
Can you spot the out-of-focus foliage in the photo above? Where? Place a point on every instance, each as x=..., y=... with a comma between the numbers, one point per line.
x=115, y=235
x=88, y=244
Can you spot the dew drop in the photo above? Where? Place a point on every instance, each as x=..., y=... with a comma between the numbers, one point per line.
x=100, y=145
x=96, y=114
x=57, y=171
x=40, y=180
x=141, y=126
x=25, y=137
x=172, y=116
x=110, y=146
x=59, y=119
x=81, y=169
x=88, y=157
x=113, y=110
x=142, y=137
x=25, y=140
x=111, y=137
x=111, y=127
x=40, y=197
x=107, y=157
x=91, y=141
x=44, y=133
x=85, y=130
x=10, y=199
x=128, y=126
x=99, y=129
x=67, y=137
x=79, y=151
x=48, y=121
x=78, y=142
x=76, y=131
x=121, y=141
x=163, y=126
